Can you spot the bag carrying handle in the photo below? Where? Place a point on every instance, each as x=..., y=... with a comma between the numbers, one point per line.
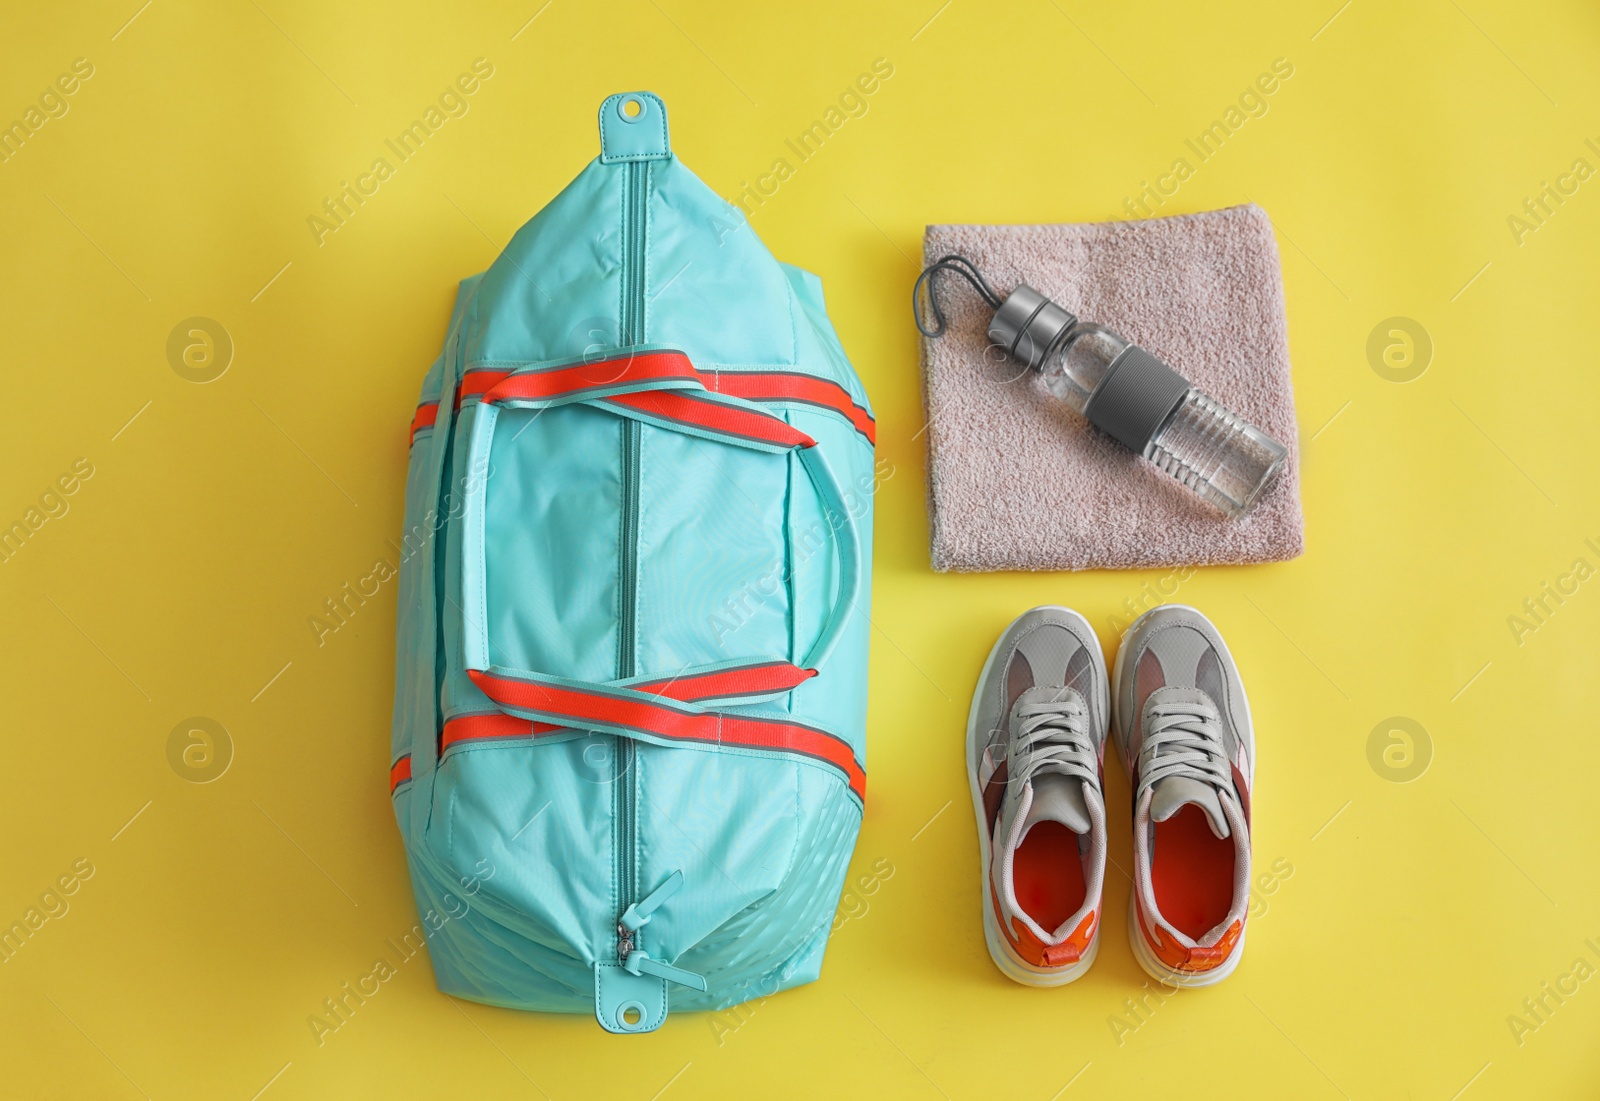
x=659, y=386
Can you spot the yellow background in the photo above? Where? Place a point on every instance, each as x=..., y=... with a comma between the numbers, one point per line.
x=219, y=517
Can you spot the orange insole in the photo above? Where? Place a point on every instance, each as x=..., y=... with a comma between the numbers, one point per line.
x=1192, y=872
x=1047, y=875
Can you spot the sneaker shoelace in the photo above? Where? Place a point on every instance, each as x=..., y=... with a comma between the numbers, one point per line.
x=1185, y=739
x=1054, y=737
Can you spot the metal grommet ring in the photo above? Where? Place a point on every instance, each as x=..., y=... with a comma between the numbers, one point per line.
x=638, y=103
x=632, y=1007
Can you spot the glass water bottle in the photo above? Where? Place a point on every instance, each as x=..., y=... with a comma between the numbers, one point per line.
x=1140, y=401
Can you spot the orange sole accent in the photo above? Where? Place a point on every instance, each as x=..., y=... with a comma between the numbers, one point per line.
x=1192, y=872
x=1047, y=875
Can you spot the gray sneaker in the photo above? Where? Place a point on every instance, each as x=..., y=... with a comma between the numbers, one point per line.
x=1183, y=729
x=1035, y=750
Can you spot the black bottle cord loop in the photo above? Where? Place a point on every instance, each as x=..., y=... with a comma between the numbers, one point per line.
x=961, y=266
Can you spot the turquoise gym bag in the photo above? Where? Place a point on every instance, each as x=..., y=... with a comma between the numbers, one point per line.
x=630, y=697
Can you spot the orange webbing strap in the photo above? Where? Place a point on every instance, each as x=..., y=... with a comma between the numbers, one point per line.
x=637, y=714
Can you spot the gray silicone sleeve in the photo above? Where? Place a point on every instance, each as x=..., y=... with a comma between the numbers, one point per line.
x=1136, y=397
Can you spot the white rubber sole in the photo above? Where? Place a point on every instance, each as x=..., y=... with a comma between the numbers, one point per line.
x=1005, y=957
x=1187, y=980
x=1020, y=970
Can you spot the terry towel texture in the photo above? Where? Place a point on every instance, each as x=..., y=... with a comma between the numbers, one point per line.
x=1017, y=481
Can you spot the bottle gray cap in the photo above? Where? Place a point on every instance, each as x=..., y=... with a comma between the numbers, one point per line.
x=1027, y=324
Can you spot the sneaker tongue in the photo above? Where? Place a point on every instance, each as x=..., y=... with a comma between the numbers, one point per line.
x=1171, y=795
x=1057, y=798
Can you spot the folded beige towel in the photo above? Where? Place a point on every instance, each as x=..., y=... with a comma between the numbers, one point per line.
x=1017, y=481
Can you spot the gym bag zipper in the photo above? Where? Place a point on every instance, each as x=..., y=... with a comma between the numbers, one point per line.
x=634, y=912
x=637, y=185
x=626, y=659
